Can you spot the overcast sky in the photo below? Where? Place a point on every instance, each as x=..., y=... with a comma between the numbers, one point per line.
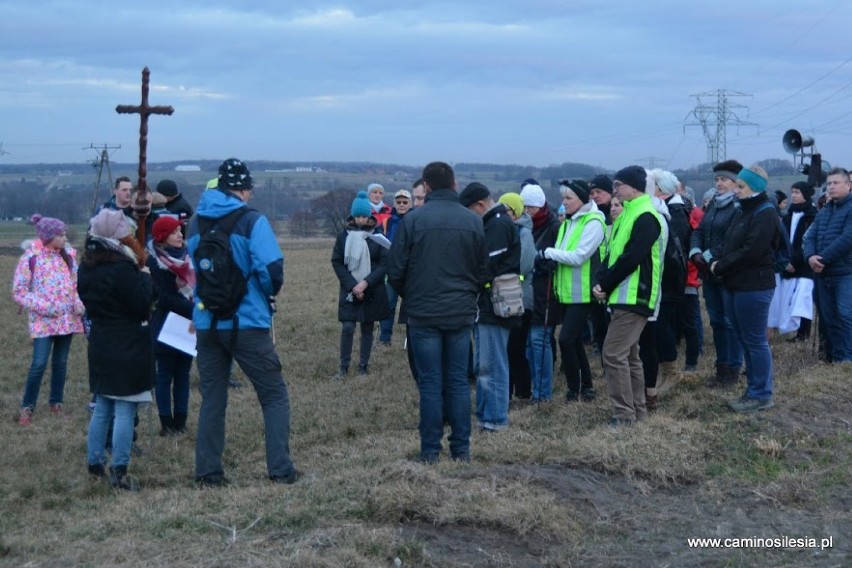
x=532, y=82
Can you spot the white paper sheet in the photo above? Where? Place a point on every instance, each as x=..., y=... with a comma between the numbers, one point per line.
x=175, y=333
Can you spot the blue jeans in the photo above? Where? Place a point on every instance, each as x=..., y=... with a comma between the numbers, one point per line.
x=61, y=344
x=540, y=357
x=173, y=383
x=491, y=367
x=441, y=357
x=728, y=349
x=750, y=315
x=386, y=325
x=254, y=352
x=835, y=303
x=119, y=413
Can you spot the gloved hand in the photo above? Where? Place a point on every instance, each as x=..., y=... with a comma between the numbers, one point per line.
x=544, y=265
x=699, y=261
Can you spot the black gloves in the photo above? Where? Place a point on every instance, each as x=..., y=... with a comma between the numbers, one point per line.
x=544, y=265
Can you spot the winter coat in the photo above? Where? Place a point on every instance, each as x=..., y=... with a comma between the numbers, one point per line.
x=49, y=291
x=709, y=237
x=438, y=262
x=545, y=236
x=169, y=299
x=806, y=213
x=180, y=207
x=831, y=237
x=118, y=298
x=391, y=224
x=256, y=251
x=504, y=257
x=748, y=258
x=374, y=306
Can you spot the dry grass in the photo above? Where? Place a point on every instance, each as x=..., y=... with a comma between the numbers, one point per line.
x=558, y=488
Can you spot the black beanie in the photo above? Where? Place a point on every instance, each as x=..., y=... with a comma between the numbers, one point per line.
x=634, y=176
x=472, y=193
x=780, y=196
x=578, y=187
x=167, y=187
x=805, y=189
x=601, y=182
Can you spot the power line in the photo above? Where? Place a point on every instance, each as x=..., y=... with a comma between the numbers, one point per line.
x=714, y=120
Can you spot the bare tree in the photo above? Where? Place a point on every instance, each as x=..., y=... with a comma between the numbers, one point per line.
x=302, y=224
x=332, y=209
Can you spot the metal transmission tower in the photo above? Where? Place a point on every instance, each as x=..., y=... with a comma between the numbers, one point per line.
x=714, y=120
x=99, y=163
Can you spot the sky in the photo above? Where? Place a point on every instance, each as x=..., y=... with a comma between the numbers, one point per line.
x=532, y=82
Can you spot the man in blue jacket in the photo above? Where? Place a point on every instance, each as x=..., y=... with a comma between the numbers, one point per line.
x=828, y=250
x=257, y=254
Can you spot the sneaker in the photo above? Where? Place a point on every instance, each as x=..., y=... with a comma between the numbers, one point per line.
x=56, y=409
x=26, y=416
x=750, y=405
x=288, y=479
x=620, y=422
x=363, y=371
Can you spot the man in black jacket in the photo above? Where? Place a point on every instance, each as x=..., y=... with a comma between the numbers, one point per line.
x=437, y=264
x=491, y=358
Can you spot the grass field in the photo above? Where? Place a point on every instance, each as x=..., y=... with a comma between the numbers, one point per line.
x=558, y=488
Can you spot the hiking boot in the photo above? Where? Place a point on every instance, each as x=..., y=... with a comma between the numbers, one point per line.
x=572, y=396
x=588, y=394
x=118, y=478
x=56, y=409
x=650, y=399
x=26, y=416
x=669, y=376
x=733, y=376
x=750, y=405
x=341, y=374
x=620, y=422
x=363, y=371
x=719, y=378
x=167, y=424
x=179, y=425
x=288, y=479
x=97, y=469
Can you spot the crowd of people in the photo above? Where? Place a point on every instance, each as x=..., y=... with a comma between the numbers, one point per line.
x=490, y=289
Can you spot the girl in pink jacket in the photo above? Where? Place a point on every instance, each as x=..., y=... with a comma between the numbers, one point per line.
x=45, y=284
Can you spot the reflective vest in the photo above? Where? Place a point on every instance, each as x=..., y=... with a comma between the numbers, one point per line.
x=629, y=292
x=573, y=284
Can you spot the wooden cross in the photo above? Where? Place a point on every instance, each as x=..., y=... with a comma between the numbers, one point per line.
x=142, y=206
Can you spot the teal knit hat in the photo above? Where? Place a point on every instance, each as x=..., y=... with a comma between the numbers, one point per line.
x=361, y=205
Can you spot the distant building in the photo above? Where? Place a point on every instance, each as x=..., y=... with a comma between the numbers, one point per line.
x=187, y=168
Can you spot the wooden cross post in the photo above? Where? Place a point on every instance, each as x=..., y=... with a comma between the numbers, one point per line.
x=142, y=205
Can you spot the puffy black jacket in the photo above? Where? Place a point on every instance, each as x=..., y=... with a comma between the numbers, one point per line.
x=831, y=237
x=438, y=262
x=748, y=258
x=544, y=236
x=710, y=233
x=118, y=298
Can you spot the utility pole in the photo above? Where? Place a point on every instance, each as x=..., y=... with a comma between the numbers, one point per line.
x=99, y=164
x=714, y=120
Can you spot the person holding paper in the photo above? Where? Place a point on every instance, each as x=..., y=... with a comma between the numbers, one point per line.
x=359, y=263
x=174, y=279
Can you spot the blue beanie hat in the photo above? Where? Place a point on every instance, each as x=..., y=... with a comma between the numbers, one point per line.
x=361, y=205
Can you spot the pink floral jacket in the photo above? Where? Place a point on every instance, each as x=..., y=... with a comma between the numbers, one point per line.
x=48, y=291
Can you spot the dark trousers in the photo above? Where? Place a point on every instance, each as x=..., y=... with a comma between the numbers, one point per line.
x=690, y=316
x=347, y=338
x=648, y=354
x=520, y=383
x=578, y=374
x=666, y=334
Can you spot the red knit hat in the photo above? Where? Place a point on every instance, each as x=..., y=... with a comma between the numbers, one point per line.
x=163, y=227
